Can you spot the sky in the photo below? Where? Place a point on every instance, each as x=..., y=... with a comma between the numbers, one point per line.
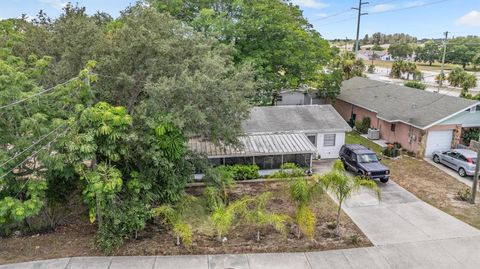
x=331, y=18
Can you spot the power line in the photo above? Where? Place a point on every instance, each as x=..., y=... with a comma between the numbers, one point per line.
x=36, y=94
x=35, y=153
x=410, y=7
x=32, y=145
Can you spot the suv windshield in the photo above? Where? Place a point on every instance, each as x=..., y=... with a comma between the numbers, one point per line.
x=367, y=158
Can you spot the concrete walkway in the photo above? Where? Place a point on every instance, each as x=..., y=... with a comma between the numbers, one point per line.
x=406, y=233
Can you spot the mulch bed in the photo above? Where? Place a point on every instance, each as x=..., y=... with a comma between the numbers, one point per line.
x=75, y=239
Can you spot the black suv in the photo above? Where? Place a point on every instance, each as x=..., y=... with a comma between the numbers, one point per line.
x=363, y=162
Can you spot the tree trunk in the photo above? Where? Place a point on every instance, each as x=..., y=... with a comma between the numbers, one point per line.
x=337, y=229
x=219, y=237
x=178, y=240
x=298, y=232
x=258, y=236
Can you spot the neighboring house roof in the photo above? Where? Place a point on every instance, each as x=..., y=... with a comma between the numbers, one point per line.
x=466, y=119
x=256, y=145
x=395, y=103
x=295, y=119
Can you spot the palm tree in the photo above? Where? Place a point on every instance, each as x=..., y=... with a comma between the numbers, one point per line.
x=257, y=215
x=173, y=215
x=342, y=186
x=303, y=192
x=223, y=216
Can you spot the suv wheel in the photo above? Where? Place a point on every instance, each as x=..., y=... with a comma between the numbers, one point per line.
x=436, y=159
x=384, y=180
x=462, y=172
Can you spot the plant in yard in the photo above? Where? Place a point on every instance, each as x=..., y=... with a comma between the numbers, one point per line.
x=470, y=134
x=342, y=186
x=258, y=216
x=244, y=171
x=464, y=194
x=223, y=216
x=220, y=178
x=363, y=126
x=303, y=192
x=371, y=69
x=288, y=170
x=173, y=215
x=415, y=84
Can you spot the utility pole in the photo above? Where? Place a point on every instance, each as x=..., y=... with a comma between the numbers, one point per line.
x=442, y=75
x=475, y=177
x=360, y=14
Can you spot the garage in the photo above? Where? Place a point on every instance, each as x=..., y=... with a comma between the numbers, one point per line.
x=438, y=141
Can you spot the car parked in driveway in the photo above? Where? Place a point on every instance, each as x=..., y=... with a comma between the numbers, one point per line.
x=363, y=162
x=461, y=160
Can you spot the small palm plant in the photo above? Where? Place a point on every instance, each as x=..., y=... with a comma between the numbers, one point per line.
x=338, y=183
x=258, y=216
x=173, y=215
x=303, y=193
x=223, y=216
x=220, y=178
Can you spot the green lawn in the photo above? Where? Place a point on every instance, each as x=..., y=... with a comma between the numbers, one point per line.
x=355, y=138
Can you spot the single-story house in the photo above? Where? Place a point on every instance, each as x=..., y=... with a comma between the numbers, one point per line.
x=301, y=96
x=274, y=135
x=421, y=121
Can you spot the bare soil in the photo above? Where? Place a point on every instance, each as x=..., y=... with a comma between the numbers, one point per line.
x=435, y=187
x=75, y=239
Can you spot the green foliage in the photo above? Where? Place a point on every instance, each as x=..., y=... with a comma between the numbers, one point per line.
x=462, y=50
x=303, y=192
x=429, y=52
x=371, y=69
x=213, y=197
x=174, y=217
x=470, y=134
x=400, y=50
x=464, y=194
x=348, y=65
x=220, y=178
x=401, y=67
x=392, y=151
x=243, y=171
x=288, y=170
x=257, y=215
x=377, y=47
x=461, y=78
x=340, y=185
x=222, y=218
x=415, y=84
x=363, y=126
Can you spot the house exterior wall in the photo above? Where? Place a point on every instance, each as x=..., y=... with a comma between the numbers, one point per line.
x=293, y=98
x=328, y=152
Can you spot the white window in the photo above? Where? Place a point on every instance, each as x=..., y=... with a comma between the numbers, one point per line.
x=329, y=140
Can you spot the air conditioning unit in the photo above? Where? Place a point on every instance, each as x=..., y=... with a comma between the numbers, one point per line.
x=373, y=134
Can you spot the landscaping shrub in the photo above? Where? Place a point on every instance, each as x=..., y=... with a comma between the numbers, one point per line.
x=470, y=134
x=288, y=170
x=415, y=84
x=392, y=150
x=464, y=194
x=244, y=172
x=363, y=126
x=371, y=69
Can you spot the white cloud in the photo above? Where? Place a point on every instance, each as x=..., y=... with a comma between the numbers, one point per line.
x=381, y=8
x=414, y=4
x=322, y=15
x=472, y=18
x=58, y=4
x=310, y=3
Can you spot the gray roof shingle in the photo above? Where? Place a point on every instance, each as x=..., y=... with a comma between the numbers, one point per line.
x=295, y=119
x=399, y=103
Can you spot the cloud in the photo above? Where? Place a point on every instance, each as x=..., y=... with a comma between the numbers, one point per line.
x=310, y=3
x=381, y=8
x=322, y=15
x=58, y=4
x=472, y=18
x=414, y=4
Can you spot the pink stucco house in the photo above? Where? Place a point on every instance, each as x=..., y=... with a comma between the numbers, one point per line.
x=421, y=121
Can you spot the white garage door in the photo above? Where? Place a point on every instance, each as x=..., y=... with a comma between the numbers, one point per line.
x=438, y=140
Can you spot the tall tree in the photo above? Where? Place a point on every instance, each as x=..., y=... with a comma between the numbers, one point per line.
x=400, y=50
x=429, y=52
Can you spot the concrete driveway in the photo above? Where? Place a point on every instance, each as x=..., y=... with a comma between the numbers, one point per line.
x=465, y=180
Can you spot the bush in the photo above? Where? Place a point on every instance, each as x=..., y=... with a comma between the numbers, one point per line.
x=470, y=134
x=363, y=126
x=288, y=170
x=464, y=194
x=392, y=150
x=416, y=85
x=244, y=172
x=371, y=69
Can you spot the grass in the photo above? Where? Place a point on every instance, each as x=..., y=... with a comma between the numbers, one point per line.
x=355, y=138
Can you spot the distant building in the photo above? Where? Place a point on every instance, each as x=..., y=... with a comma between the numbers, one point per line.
x=300, y=96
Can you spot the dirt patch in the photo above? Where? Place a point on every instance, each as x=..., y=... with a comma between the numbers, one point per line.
x=435, y=187
x=76, y=239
